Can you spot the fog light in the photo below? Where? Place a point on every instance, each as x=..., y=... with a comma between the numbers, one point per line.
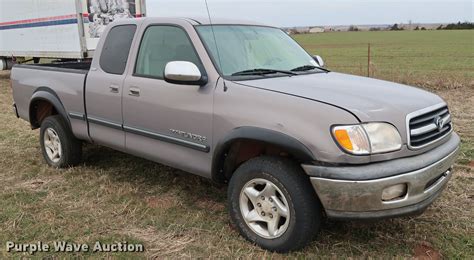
x=394, y=192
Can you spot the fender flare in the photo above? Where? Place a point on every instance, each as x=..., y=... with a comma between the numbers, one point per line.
x=292, y=145
x=46, y=94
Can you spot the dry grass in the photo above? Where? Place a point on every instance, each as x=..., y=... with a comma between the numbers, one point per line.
x=117, y=197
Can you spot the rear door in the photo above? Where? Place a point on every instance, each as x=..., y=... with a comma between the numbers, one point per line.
x=165, y=122
x=104, y=87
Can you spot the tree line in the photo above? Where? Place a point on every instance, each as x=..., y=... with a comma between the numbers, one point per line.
x=457, y=26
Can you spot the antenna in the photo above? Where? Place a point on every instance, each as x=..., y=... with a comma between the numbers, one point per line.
x=214, y=35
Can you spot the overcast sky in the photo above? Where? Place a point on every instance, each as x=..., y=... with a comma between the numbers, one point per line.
x=318, y=12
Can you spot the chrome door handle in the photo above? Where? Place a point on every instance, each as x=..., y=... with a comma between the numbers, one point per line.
x=134, y=92
x=114, y=88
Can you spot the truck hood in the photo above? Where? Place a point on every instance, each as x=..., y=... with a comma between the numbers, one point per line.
x=368, y=99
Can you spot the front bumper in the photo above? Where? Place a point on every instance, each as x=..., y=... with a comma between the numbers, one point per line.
x=351, y=197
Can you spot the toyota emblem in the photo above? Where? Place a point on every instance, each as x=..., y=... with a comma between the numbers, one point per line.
x=439, y=122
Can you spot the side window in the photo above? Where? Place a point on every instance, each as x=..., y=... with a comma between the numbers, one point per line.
x=116, y=49
x=160, y=45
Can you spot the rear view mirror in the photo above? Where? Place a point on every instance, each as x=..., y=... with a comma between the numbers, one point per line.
x=184, y=73
x=319, y=60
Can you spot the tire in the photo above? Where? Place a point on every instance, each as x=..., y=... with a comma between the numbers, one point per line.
x=56, y=136
x=292, y=187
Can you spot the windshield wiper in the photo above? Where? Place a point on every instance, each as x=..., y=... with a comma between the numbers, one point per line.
x=308, y=68
x=262, y=72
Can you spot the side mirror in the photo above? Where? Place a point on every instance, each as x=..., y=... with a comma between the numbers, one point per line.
x=319, y=60
x=184, y=73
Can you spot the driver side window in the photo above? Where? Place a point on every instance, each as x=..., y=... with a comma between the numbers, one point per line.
x=160, y=45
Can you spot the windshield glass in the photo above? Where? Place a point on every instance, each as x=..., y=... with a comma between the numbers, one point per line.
x=241, y=48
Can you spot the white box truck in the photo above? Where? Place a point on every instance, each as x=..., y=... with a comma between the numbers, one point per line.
x=57, y=29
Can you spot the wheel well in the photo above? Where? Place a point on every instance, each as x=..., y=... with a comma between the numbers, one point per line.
x=39, y=110
x=242, y=150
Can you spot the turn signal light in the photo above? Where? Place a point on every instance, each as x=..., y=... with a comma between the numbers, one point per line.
x=343, y=139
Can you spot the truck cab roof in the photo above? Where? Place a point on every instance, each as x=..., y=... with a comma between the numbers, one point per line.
x=191, y=20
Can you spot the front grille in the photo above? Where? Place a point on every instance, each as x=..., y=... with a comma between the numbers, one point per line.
x=428, y=126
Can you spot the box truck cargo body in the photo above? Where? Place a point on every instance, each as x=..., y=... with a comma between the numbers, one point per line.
x=58, y=29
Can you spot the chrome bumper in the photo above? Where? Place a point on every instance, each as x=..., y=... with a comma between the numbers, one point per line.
x=362, y=199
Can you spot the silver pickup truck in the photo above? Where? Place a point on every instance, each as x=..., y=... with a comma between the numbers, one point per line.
x=244, y=104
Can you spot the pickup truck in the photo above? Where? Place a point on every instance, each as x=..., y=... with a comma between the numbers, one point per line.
x=244, y=104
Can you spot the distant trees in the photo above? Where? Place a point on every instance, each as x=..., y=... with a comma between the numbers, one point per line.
x=353, y=28
x=457, y=26
x=395, y=27
x=293, y=31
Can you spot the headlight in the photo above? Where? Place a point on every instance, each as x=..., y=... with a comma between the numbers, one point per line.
x=369, y=138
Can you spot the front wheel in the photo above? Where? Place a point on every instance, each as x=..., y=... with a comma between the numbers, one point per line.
x=273, y=204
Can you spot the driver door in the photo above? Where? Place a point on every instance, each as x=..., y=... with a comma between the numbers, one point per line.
x=164, y=122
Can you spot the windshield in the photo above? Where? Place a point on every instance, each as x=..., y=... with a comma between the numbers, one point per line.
x=243, y=50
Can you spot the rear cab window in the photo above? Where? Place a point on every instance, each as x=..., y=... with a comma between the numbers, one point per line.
x=113, y=58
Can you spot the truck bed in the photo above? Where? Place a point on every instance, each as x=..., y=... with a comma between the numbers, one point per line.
x=66, y=81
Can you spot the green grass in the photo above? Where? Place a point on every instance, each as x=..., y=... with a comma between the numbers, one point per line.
x=115, y=197
x=420, y=53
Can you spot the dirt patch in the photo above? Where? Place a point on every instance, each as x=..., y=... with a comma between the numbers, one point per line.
x=471, y=163
x=160, y=243
x=164, y=201
x=38, y=184
x=210, y=204
x=34, y=184
x=425, y=251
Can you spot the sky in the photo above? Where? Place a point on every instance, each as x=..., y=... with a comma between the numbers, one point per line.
x=291, y=13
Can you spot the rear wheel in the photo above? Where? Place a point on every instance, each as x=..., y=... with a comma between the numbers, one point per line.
x=59, y=146
x=273, y=204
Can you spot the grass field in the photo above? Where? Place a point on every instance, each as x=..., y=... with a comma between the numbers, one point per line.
x=396, y=55
x=117, y=197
